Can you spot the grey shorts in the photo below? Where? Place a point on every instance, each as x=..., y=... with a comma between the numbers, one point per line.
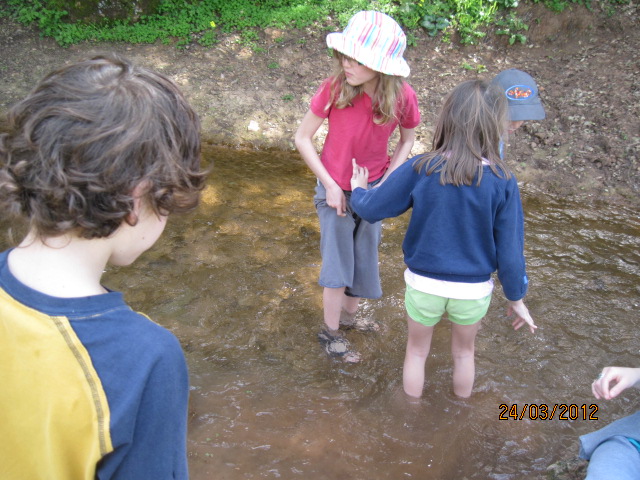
x=349, y=249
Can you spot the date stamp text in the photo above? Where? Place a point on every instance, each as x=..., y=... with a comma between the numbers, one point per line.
x=547, y=411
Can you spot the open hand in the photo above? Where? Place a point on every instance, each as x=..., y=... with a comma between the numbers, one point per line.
x=522, y=315
x=360, y=176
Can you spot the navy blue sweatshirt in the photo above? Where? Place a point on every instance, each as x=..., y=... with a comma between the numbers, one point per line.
x=457, y=234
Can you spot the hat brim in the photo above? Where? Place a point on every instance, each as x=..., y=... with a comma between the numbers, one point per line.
x=524, y=112
x=398, y=66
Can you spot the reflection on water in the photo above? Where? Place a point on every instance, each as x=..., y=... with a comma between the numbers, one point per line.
x=236, y=282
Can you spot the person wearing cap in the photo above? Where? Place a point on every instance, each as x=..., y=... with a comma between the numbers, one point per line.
x=364, y=101
x=523, y=99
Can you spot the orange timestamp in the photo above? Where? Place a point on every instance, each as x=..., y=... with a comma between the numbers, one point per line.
x=544, y=411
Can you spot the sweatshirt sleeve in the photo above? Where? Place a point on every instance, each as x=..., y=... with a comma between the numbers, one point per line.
x=156, y=444
x=509, y=238
x=390, y=199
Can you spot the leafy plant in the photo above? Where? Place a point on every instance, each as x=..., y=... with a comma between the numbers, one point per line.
x=200, y=21
x=249, y=36
x=467, y=17
x=561, y=5
x=477, y=68
x=209, y=37
x=506, y=4
x=434, y=24
x=471, y=17
x=513, y=27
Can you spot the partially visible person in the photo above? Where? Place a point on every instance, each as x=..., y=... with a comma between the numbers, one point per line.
x=614, y=451
x=95, y=159
x=521, y=92
x=466, y=223
x=364, y=101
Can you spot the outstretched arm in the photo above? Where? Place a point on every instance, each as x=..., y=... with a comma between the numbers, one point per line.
x=613, y=380
x=519, y=309
x=390, y=200
x=304, y=143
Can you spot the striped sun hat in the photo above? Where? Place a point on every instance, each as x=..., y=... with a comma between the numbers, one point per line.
x=375, y=40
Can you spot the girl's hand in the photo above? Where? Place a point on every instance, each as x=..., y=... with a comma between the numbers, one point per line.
x=522, y=315
x=336, y=199
x=360, y=176
x=613, y=380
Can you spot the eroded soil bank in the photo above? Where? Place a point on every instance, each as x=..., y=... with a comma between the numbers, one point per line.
x=586, y=64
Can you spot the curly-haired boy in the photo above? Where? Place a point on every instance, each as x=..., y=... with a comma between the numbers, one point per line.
x=95, y=159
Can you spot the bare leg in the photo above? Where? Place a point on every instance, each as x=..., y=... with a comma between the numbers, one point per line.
x=350, y=304
x=463, y=338
x=332, y=305
x=418, y=345
x=334, y=301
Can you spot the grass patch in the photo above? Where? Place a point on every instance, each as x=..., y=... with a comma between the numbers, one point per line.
x=182, y=22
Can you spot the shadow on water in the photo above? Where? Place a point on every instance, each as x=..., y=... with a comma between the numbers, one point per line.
x=236, y=282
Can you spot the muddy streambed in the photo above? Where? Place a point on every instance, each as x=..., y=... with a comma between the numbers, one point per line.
x=236, y=281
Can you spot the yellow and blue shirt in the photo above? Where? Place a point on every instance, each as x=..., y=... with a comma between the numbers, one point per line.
x=88, y=389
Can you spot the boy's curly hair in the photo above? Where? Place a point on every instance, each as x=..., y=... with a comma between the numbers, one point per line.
x=86, y=136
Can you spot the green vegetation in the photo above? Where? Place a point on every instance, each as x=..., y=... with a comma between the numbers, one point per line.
x=199, y=21
x=476, y=68
x=512, y=26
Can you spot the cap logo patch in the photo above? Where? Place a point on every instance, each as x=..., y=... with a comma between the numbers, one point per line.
x=519, y=92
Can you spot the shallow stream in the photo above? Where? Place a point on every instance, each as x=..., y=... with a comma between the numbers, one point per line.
x=236, y=281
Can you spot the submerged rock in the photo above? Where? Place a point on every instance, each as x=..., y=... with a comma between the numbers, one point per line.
x=573, y=469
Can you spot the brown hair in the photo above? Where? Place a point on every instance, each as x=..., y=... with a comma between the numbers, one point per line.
x=385, y=98
x=469, y=129
x=86, y=136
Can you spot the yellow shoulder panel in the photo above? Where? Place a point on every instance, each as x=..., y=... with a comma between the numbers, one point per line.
x=53, y=408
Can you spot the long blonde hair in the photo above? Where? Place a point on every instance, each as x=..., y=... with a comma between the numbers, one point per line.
x=385, y=98
x=469, y=130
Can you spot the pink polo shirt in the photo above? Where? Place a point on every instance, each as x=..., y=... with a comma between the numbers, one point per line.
x=352, y=133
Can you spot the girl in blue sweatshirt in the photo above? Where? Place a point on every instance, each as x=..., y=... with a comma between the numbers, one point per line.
x=466, y=223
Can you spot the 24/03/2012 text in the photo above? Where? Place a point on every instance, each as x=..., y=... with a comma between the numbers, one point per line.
x=544, y=411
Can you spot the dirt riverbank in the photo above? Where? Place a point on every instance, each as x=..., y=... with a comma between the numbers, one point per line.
x=586, y=64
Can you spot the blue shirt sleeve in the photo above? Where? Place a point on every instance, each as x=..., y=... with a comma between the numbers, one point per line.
x=145, y=377
x=388, y=200
x=509, y=240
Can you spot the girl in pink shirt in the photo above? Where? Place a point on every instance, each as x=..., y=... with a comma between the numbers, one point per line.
x=364, y=101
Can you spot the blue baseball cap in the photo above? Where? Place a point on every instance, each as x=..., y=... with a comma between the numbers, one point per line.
x=522, y=94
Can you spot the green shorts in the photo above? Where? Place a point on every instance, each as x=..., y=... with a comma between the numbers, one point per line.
x=428, y=309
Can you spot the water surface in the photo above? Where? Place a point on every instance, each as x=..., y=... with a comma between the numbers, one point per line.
x=237, y=283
